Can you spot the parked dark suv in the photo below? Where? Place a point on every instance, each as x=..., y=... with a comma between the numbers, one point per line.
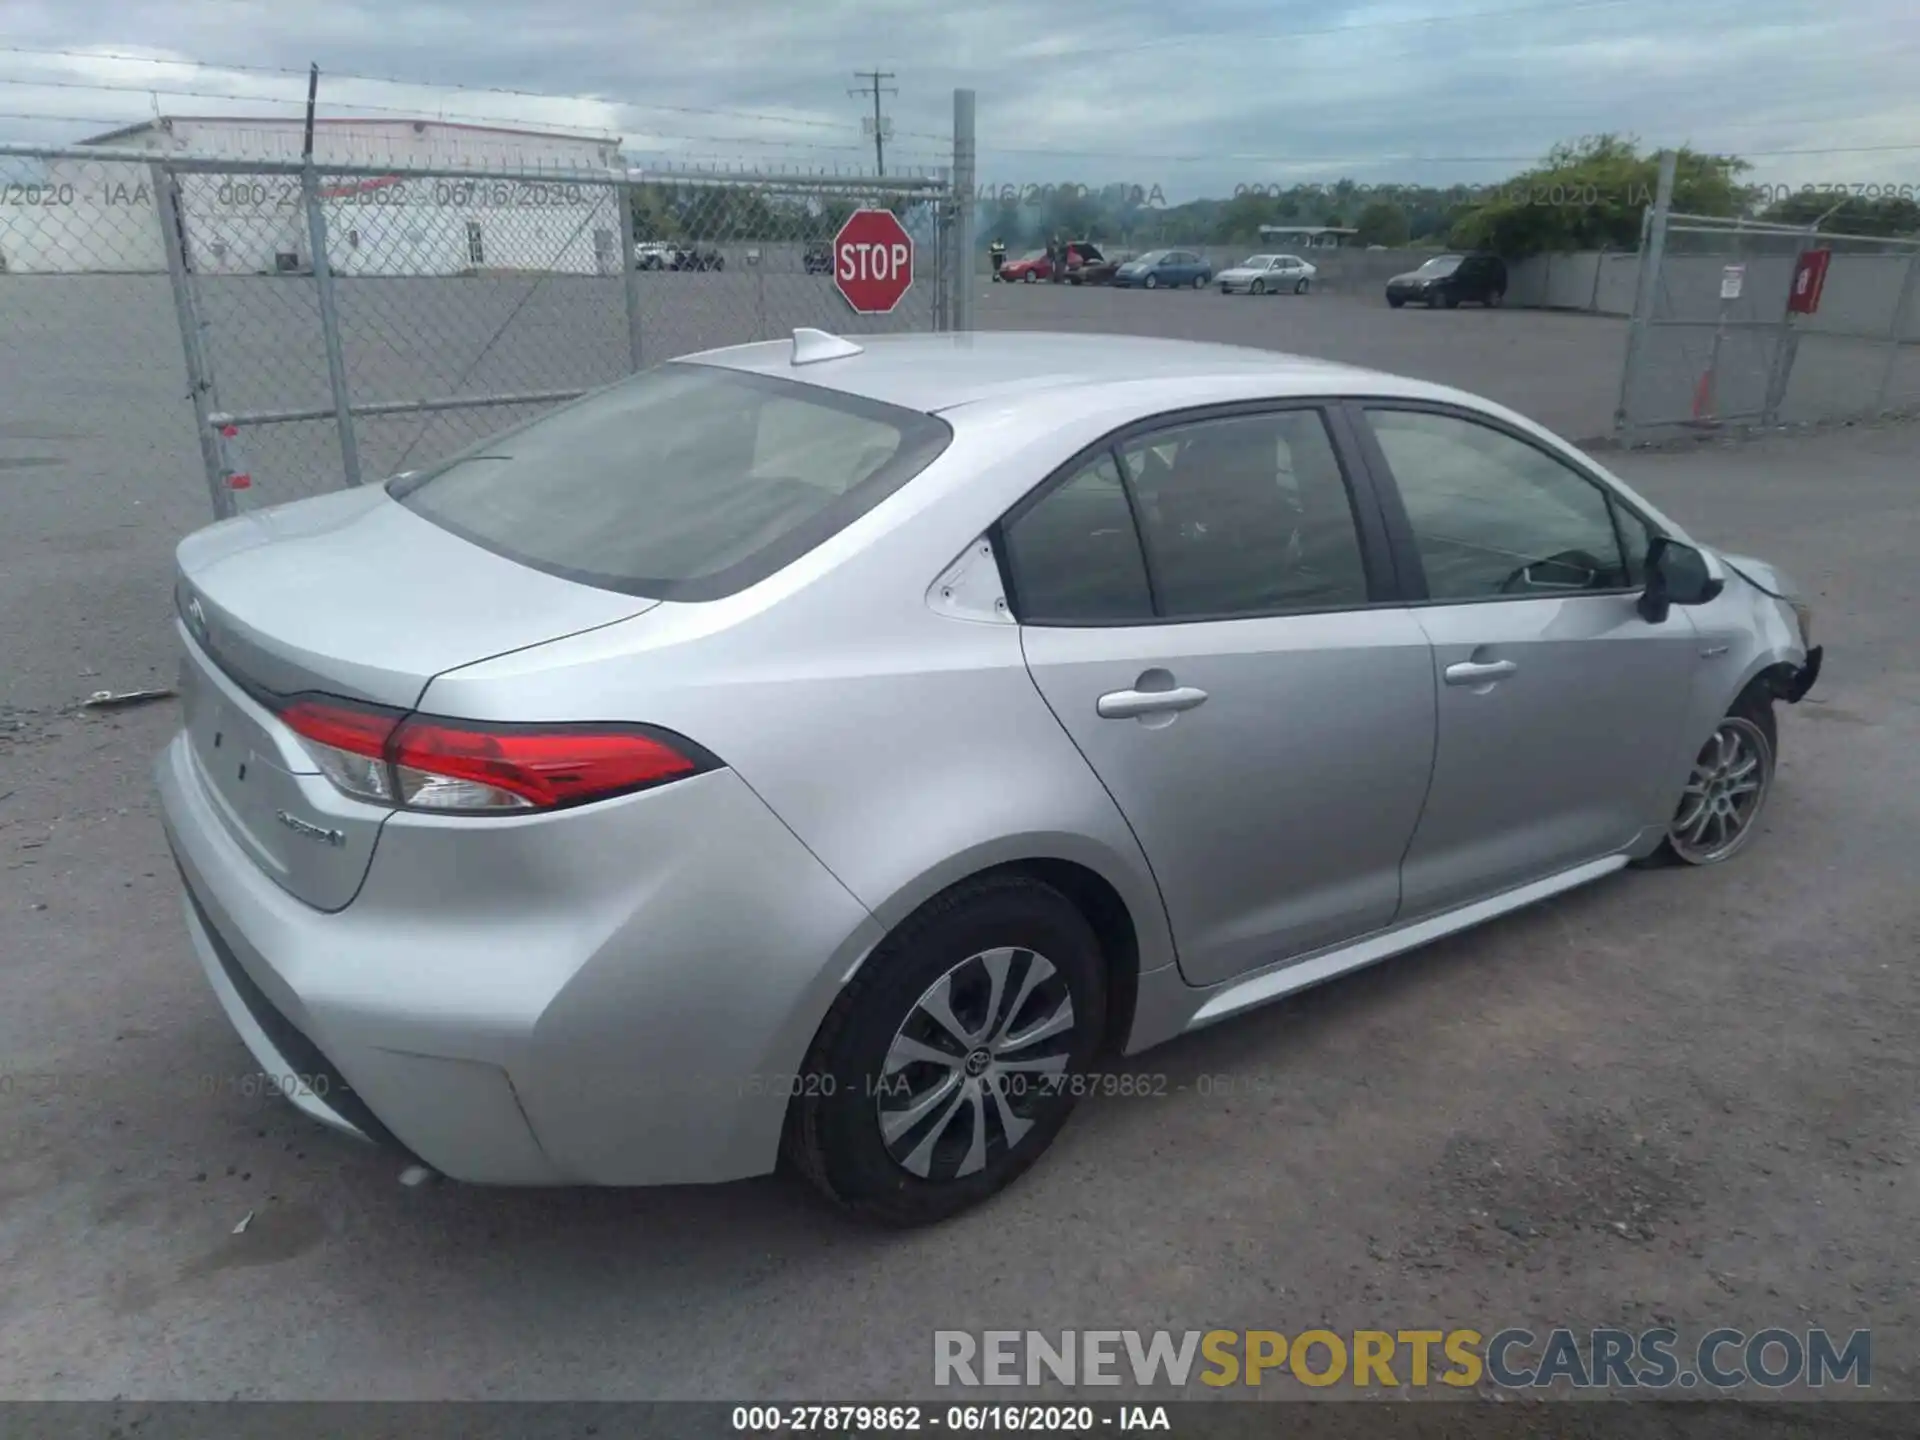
x=1449, y=279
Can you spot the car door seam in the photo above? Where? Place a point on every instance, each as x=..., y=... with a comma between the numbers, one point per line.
x=1173, y=940
x=1433, y=765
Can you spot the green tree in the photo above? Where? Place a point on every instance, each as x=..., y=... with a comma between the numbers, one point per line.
x=1855, y=215
x=1591, y=194
x=1239, y=220
x=654, y=214
x=1382, y=222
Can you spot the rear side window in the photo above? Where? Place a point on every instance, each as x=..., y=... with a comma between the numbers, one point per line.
x=1076, y=556
x=1242, y=516
x=687, y=482
x=1246, y=516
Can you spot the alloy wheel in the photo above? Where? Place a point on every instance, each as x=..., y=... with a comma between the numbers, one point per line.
x=975, y=1064
x=1724, y=795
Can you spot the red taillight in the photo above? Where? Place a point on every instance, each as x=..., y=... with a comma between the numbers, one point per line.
x=359, y=730
x=546, y=766
x=427, y=762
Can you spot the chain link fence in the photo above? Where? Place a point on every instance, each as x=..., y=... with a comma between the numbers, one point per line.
x=339, y=324
x=1743, y=324
x=90, y=386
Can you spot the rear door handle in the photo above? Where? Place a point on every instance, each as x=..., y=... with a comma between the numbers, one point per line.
x=1469, y=672
x=1131, y=704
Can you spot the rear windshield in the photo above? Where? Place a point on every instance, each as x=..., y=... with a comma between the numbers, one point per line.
x=687, y=482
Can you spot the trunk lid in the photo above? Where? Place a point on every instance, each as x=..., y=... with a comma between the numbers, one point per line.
x=350, y=595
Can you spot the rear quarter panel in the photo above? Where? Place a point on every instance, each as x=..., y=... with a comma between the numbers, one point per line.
x=905, y=748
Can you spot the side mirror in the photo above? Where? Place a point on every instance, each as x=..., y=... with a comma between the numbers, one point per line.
x=1678, y=574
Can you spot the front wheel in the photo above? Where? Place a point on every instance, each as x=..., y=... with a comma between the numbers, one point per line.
x=1395, y=302
x=1259, y=287
x=1029, y=278
x=954, y=1057
x=1152, y=282
x=1719, y=809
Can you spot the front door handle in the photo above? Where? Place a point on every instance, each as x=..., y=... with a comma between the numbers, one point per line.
x=1131, y=704
x=1469, y=672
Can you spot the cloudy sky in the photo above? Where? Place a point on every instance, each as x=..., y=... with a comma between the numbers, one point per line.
x=1192, y=96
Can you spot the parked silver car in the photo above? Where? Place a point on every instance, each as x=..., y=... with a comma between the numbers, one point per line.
x=834, y=749
x=1268, y=274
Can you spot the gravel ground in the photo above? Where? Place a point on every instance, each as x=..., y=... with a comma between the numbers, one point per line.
x=1684, y=1097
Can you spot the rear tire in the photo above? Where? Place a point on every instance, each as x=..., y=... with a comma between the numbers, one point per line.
x=967, y=1141
x=1453, y=302
x=1300, y=288
x=1199, y=282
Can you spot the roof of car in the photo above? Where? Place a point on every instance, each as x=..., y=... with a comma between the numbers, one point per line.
x=933, y=372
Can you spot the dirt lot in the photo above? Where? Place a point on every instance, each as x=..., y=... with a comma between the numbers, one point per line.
x=1684, y=1097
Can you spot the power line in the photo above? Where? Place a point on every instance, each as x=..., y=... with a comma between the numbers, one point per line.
x=874, y=77
x=422, y=85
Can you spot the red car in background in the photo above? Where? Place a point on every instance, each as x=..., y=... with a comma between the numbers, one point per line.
x=1034, y=265
x=1031, y=266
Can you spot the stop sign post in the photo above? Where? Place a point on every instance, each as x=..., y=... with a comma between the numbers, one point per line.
x=873, y=261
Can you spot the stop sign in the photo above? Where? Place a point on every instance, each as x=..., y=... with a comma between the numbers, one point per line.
x=873, y=261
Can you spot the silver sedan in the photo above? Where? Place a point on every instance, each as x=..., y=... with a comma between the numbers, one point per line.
x=1268, y=275
x=834, y=750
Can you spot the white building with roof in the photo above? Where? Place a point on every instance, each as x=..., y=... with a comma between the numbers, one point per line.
x=99, y=215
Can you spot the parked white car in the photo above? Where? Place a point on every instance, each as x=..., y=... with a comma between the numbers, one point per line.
x=1262, y=274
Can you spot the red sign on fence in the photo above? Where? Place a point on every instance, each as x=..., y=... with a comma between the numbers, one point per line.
x=1809, y=278
x=873, y=261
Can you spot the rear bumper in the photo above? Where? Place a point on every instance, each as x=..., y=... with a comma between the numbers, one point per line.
x=617, y=995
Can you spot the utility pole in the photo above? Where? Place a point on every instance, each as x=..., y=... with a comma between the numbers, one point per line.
x=873, y=87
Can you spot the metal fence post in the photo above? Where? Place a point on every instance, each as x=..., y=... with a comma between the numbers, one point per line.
x=1894, y=337
x=630, y=272
x=965, y=183
x=166, y=205
x=1599, y=269
x=1653, y=250
x=943, y=254
x=330, y=324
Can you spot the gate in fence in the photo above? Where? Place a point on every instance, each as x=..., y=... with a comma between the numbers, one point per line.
x=1740, y=323
x=344, y=323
